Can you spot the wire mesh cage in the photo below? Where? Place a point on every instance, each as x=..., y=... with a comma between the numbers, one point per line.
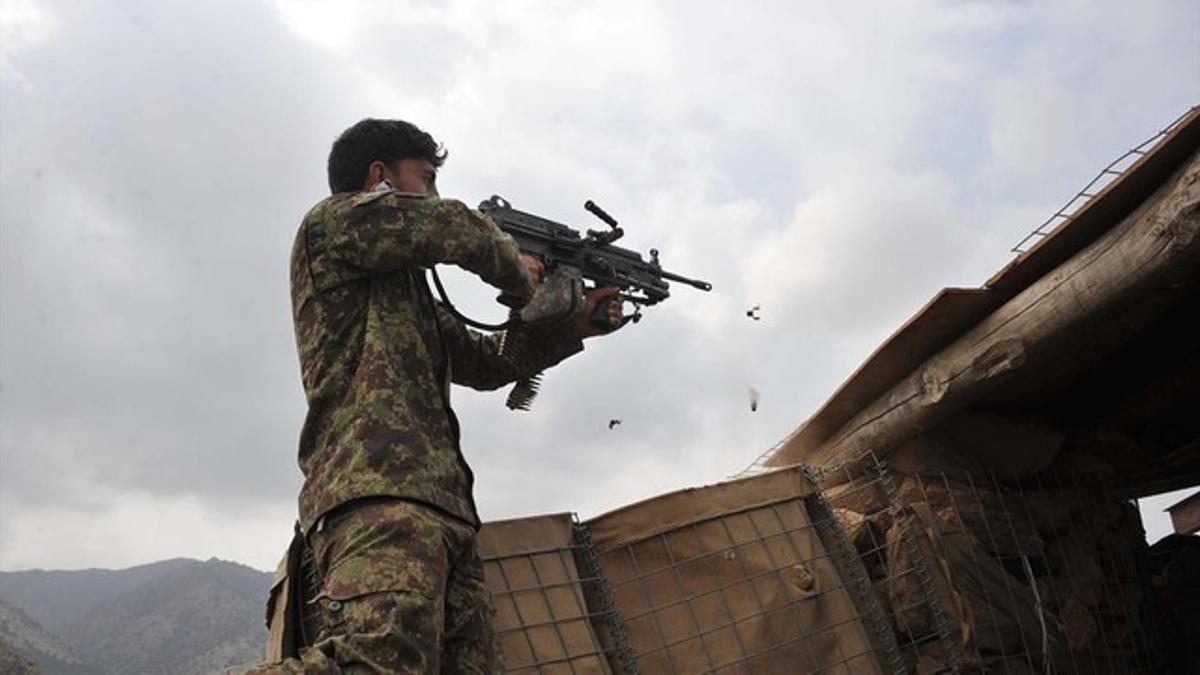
x=1043, y=575
x=544, y=618
x=898, y=574
x=737, y=578
x=853, y=569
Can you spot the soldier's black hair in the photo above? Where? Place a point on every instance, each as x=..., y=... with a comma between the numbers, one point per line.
x=371, y=139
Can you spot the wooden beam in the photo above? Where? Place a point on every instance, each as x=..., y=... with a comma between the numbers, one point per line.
x=1185, y=515
x=1144, y=264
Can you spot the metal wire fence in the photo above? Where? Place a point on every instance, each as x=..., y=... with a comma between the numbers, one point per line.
x=1048, y=574
x=858, y=569
x=549, y=600
x=744, y=592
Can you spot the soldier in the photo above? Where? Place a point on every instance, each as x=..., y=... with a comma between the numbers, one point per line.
x=386, y=507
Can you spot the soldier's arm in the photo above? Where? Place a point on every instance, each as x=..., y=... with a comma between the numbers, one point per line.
x=352, y=237
x=483, y=361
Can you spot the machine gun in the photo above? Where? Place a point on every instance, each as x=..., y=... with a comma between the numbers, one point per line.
x=570, y=257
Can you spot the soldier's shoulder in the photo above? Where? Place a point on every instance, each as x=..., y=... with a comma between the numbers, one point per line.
x=338, y=206
x=327, y=207
x=398, y=199
x=351, y=206
x=416, y=206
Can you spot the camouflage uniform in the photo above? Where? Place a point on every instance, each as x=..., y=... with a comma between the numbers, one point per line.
x=387, y=500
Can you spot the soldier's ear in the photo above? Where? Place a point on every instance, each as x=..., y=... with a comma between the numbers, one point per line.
x=376, y=172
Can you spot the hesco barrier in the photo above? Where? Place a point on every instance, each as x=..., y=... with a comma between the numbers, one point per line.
x=1044, y=574
x=735, y=578
x=748, y=576
x=544, y=620
x=872, y=573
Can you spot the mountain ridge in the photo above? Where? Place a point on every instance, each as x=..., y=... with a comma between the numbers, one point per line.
x=177, y=616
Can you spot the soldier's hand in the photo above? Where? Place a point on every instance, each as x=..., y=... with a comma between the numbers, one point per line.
x=537, y=271
x=611, y=318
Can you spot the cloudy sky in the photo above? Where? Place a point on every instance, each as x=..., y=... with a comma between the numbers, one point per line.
x=837, y=163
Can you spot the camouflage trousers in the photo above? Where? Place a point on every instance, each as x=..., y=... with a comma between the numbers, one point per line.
x=403, y=592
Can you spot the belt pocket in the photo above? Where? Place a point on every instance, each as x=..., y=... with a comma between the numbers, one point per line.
x=283, y=604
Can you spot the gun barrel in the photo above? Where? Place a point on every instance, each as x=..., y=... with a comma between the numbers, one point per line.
x=694, y=283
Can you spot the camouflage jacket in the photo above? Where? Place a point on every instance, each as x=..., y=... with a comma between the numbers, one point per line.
x=378, y=353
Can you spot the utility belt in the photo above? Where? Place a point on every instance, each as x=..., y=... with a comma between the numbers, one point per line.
x=294, y=618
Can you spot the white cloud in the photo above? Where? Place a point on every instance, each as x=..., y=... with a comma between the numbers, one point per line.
x=24, y=24
x=329, y=23
x=859, y=250
x=1030, y=124
x=835, y=163
x=134, y=528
